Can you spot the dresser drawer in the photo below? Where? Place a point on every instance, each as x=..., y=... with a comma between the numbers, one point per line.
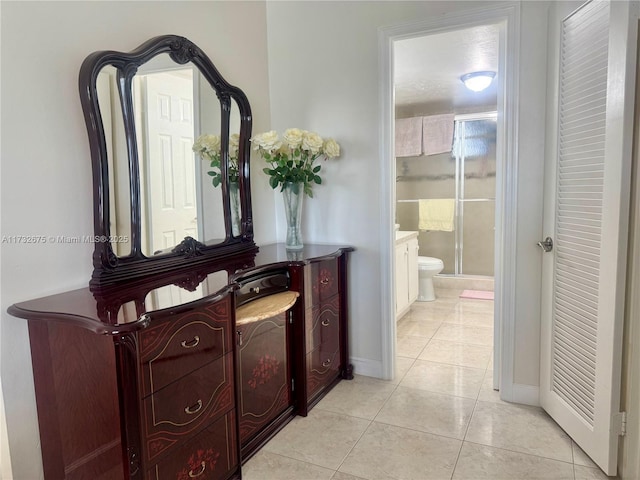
x=253, y=287
x=323, y=366
x=181, y=344
x=211, y=455
x=323, y=325
x=324, y=280
x=186, y=405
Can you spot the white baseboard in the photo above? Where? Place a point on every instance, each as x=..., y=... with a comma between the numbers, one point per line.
x=366, y=367
x=526, y=394
x=403, y=312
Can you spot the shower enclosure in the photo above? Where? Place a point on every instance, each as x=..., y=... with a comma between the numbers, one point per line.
x=468, y=176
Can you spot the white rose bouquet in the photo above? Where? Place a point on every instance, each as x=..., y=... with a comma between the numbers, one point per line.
x=208, y=147
x=291, y=159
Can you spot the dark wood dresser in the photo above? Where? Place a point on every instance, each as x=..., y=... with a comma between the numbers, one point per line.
x=153, y=379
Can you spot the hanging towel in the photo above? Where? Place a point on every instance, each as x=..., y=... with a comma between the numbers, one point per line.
x=437, y=133
x=436, y=214
x=408, y=137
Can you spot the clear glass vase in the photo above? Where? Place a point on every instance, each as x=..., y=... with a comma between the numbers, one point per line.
x=293, y=194
x=234, y=194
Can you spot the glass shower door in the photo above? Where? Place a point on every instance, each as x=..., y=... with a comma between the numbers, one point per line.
x=476, y=161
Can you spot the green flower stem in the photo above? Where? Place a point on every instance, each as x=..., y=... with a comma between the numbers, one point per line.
x=295, y=166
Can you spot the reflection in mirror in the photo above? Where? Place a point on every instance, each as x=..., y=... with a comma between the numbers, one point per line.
x=171, y=295
x=208, y=147
x=172, y=105
x=115, y=140
x=211, y=203
x=234, y=177
x=127, y=313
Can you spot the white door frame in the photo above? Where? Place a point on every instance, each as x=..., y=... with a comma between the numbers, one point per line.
x=630, y=462
x=508, y=16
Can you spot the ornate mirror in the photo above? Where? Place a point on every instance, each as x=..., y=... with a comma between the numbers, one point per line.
x=169, y=142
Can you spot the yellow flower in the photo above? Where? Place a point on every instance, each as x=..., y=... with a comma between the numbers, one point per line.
x=293, y=137
x=267, y=141
x=207, y=146
x=331, y=149
x=291, y=160
x=312, y=142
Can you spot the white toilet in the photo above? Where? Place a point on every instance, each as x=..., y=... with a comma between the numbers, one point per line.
x=427, y=268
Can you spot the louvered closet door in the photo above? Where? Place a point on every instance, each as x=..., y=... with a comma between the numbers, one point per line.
x=584, y=274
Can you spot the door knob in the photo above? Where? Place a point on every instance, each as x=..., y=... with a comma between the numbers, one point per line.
x=546, y=244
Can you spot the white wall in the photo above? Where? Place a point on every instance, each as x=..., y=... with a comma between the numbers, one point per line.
x=46, y=168
x=323, y=69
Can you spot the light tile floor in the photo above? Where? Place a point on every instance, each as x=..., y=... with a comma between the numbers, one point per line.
x=438, y=419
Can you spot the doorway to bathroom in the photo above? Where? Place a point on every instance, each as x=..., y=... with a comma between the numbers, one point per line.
x=454, y=52
x=445, y=154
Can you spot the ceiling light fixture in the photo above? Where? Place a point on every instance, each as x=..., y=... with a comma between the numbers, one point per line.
x=478, y=81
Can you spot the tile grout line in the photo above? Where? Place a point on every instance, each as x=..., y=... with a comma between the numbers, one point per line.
x=354, y=446
x=371, y=421
x=520, y=453
x=296, y=459
x=449, y=364
x=466, y=430
x=475, y=405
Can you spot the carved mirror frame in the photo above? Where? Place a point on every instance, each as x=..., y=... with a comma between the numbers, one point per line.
x=109, y=269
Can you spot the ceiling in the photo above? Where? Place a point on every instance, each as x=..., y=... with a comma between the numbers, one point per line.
x=427, y=69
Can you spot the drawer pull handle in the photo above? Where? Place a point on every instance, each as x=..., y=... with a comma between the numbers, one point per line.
x=195, y=408
x=254, y=290
x=326, y=363
x=325, y=322
x=191, y=343
x=324, y=281
x=200, y=471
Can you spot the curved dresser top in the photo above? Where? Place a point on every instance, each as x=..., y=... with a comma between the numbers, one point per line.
x=127, y=307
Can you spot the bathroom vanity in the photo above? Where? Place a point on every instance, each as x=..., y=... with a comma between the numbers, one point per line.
x=182, y=357
x=406, y=251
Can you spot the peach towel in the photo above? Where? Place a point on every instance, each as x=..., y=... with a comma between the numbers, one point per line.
x=408, y=137
x=437, y=133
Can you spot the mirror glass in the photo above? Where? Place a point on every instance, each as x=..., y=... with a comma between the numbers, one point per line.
x=234, y=174
x=207, y=148
x=178, y=125
x=171, y=295
x=117, y=159
x=173, y=106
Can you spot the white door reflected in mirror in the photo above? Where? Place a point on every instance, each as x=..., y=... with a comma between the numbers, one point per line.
x=170, y=186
